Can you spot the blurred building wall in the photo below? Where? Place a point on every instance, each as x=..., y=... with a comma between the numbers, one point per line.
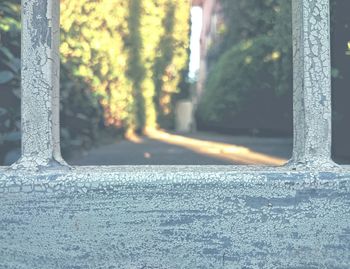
x=212, y=19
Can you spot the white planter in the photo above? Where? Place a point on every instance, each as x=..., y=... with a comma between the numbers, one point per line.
x=184, y=121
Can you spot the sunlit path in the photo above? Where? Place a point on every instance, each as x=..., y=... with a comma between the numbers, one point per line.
x=235, y=153
x=164, y=148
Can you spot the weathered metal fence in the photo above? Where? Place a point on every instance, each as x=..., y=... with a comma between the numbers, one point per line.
x=56, y=216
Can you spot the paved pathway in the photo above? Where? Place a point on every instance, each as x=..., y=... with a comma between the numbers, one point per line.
x=163, y=148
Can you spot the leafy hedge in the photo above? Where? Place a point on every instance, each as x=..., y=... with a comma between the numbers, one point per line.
x=130, y=52
x=80, y=111
x=250, y=70
x=122, y=65
x=9, y=76
x=241, y=72
x=249, y=85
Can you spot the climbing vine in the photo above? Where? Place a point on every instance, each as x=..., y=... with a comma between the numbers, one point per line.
x=131, y=52
x=122, y=63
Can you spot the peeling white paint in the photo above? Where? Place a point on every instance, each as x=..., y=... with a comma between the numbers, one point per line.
x=53, y=216
x=312, y=84
x=40, y=85
x=175, y=217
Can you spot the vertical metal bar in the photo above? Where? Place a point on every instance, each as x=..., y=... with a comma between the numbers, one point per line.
x=312, y=84
x=40, y=84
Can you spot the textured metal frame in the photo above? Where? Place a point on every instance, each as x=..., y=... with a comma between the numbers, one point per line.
x=56, y=216
x=40, y=85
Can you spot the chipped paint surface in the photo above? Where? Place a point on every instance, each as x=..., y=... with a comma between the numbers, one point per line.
x=40, y=84
x=40, y=63
x=175, y=217
x=312, y=83
x=52, y=216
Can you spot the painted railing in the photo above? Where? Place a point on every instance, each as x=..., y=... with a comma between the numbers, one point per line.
x=56, y=216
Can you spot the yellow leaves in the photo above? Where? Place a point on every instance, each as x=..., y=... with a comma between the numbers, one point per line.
x=274, y=56
x=65, y=50
x=104, y=69
x=96, y=44
x=165, y=102
x=4, y=27
x=247, y=45
x=84, y=71
x=87, y=32
x=248, y=60
x=95, y=40
x=222, y=29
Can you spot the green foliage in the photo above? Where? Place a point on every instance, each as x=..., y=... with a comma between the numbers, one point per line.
x=9, y=76
x=80, y=110
x=133, y=52
x=252, y=62
x=164, y=58
x=243, y=70
x=136, y=70
x=253, y=57
x=121, y=63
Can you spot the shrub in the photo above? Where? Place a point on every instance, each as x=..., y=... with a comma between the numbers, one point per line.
x=250, y=73
x=122, y=63
x=250, y=68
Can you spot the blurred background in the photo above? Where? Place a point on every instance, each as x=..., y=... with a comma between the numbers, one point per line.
x=174, y=82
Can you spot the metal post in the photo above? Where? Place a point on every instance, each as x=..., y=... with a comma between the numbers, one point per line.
x=312, y=84
x=40, y=85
